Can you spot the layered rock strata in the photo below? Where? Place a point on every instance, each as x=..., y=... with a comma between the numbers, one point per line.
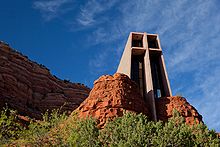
x=30, y=88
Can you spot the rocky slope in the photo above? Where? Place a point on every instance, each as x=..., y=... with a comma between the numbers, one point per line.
x=30, y=88
x=111, y=95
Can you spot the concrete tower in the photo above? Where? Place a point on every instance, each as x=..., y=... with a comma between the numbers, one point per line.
x=143, y=62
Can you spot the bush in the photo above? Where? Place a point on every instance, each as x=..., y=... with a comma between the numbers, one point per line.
x=37, y=130
x=84, y=134
x=10, y=129
x=135, y=130
x=128, y=130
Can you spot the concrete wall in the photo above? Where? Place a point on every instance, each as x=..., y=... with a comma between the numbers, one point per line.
x=125, y=63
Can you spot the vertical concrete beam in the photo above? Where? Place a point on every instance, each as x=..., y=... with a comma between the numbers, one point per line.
x=145, y=44
x=149, y=95
x=125, y=62
x=165, y=79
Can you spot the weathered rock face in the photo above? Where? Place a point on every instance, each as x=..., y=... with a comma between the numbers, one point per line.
x=166, y=105
x=111, y=96
x=31, y=89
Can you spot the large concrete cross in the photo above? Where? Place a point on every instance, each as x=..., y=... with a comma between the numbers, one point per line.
x=143, y=62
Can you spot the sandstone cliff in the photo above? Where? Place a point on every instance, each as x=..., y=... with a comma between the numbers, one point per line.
x=111, y=95
x=30, y=88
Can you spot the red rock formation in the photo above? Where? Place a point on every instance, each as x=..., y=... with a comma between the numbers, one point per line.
x=166, y=105
x=111, y=96
x=30, y=88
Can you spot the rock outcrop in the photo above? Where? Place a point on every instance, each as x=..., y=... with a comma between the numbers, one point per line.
x=166, y=105
x=110, y=96
x=30, y=88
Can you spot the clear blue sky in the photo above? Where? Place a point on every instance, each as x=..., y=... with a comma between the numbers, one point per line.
x=82, y=40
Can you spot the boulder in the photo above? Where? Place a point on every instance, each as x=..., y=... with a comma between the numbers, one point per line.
x=110, y=97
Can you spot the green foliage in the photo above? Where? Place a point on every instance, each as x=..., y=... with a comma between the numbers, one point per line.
x=135, y=130
x=84, y=134
x=204, y=136
x=10, y=129
x=127, y=131
x=174, y=133
x=37, y=130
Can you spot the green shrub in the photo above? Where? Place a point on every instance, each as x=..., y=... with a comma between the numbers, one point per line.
x=84, y=134
x=135, y=130
x=173, y=133
x=37, y=130
x=205, y=137
x=129, y=130
x=10, y=129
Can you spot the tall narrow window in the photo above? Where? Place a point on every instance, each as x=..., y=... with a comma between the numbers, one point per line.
x=137, y=71
x=156, y=76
